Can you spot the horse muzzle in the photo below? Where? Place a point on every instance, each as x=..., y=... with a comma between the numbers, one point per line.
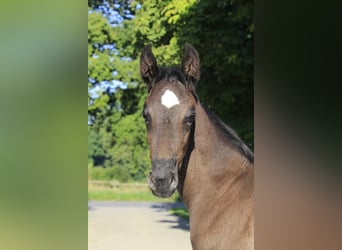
x=163, y=179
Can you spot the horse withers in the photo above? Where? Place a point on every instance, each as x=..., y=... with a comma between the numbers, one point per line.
x=194, y=152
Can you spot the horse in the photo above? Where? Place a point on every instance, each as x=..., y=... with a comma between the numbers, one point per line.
x=193, y=151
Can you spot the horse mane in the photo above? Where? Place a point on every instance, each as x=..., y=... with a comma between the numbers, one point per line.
x=232, y=138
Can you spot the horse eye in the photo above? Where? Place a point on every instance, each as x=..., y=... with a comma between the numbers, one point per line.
x=145, y=116
x=189, y=119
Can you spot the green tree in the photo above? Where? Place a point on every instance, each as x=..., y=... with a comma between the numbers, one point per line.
x=116, y=145
x=222, y=32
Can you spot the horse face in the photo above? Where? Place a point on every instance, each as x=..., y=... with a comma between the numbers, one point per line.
x=169, y=113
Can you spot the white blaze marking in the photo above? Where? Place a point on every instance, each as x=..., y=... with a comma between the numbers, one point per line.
x=169, y=99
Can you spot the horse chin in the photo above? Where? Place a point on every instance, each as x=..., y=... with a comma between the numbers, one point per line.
x=163, y=192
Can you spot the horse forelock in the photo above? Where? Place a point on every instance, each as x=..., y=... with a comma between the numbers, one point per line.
x=176, y=76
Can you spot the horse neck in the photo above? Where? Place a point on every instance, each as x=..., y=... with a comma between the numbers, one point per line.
x=211, y=162
x=215, y=147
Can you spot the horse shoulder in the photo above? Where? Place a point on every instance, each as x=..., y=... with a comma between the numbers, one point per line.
x=224, y=220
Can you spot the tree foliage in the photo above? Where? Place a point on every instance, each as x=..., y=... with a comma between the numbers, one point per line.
x=221, y=31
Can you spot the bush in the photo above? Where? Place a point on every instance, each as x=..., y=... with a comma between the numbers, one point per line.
x=100, y=173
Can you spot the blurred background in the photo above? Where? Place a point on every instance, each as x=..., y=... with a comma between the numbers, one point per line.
x=48, y=118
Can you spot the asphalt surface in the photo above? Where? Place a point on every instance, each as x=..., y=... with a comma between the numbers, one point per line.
x=136, y=226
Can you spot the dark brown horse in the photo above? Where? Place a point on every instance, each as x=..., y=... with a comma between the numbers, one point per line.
x=193, y=151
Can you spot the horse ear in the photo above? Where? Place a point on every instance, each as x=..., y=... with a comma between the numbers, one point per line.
x=148, y=66
x=191, y=63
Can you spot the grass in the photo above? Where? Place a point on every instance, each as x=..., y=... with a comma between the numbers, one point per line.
x=113, y=191
x=181, y=212
x=111, y=195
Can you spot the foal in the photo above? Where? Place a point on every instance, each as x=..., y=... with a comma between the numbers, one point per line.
x=193, y=151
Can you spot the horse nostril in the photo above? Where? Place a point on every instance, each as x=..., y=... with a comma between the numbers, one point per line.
x=160, y=179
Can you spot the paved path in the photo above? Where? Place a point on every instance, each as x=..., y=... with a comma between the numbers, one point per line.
x=136, y=226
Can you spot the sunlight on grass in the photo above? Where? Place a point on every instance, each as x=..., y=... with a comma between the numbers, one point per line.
x=111, y=195
x=111, y=191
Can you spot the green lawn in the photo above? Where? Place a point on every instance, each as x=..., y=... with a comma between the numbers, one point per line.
x=115, y=191
x=115, y=195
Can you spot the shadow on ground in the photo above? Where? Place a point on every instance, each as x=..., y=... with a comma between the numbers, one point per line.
x=179, y=223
